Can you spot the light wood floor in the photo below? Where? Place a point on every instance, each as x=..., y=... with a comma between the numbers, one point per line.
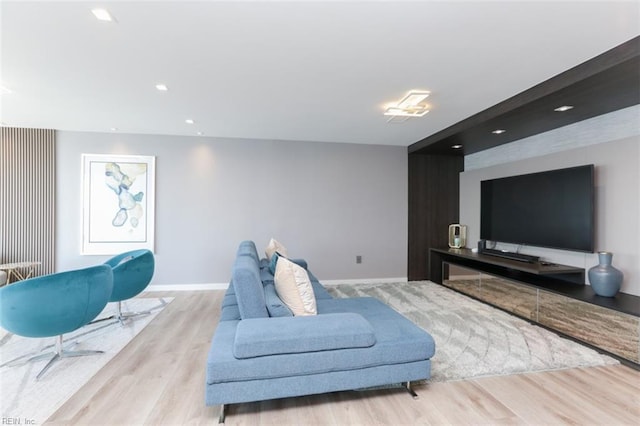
x=158, y=379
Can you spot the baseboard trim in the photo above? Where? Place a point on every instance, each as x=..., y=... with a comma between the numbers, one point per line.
x=224, y=286
x=365, y=281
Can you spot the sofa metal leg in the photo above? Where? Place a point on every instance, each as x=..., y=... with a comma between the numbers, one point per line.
x=407, y=386
x=221, y=418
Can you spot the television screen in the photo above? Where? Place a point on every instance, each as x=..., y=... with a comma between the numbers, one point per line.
x=552, y=209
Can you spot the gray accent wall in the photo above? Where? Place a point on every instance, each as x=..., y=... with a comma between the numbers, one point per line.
x=617, y=181
x=326, y=202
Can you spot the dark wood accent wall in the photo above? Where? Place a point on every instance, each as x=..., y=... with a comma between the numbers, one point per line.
x=434, y=192
x=603, y=84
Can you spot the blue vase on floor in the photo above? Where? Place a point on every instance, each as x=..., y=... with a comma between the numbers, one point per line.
x=605, y=279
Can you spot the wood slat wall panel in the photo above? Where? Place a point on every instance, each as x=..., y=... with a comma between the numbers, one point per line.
x=27, y=197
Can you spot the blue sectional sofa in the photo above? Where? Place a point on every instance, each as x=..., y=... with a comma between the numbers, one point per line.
x=261, y=351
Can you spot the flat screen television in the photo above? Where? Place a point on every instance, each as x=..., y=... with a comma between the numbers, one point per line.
x=552, y=209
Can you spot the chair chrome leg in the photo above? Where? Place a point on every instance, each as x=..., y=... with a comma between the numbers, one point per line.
x=60, y=353
x=221, y=418
x=71, y=354
x=33, y=356
x=55, y=358
x=38, y=355
x=123, y=316
x=407, y=386
x=103, y=319
x=129, y=315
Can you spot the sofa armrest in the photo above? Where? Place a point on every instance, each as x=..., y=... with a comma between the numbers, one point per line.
x=285, y=335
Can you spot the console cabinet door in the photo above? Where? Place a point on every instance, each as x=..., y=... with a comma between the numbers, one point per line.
x=510, y=296
x=613, y=331
x=462, y=279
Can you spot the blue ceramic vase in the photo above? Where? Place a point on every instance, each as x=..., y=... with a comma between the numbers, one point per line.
x=605, y=279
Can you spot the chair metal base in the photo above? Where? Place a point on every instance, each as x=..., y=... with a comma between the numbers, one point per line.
x=58, y=353
x=40, y=354
x=122, y=317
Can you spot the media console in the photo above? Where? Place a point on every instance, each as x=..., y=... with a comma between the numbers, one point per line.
x=554, y=296
x=550, y=276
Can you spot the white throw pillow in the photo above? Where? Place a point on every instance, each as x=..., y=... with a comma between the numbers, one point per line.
x=275, y=246
x=294, y=287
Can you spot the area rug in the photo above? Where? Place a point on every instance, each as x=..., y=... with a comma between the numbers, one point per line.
x=27, y=401
x=474, y=339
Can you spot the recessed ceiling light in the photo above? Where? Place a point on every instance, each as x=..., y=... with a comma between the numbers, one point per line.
x=189, y=121
x=162, y=87
x=456, y=146
x=102, y=15
x=199, y=133
x=564, y=108
x=498, y=131
x=114, y=129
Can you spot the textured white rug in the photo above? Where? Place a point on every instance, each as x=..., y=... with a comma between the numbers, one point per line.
x=23, y=400
x=474, y=339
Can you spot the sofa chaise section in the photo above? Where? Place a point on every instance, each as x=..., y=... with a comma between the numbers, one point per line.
x=351, y=343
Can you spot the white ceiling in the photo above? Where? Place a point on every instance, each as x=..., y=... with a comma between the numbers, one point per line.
x=313, y=71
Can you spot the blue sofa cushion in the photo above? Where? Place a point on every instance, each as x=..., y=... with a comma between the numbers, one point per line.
x=230, y=313
x=248, y=288
x=398, y=341
x=275, y=305
x=266, y=276
x=318, y=289
x=229, y=296
x=264, y=263
x=248, y=248
x=228, y=300
x=274, y=336
x=230, y=289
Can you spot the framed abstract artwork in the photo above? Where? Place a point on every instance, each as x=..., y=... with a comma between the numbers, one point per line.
x=118, y=203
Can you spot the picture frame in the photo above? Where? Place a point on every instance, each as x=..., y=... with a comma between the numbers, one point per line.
x=118, y=203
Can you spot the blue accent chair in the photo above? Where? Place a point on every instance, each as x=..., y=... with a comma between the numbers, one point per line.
x=55, y=304
x=132, y=273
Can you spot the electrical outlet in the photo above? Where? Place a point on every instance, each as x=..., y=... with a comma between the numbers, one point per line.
x=358, y=259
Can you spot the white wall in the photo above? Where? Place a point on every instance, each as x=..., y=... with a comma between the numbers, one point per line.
x=617, y=180
x=325, y=202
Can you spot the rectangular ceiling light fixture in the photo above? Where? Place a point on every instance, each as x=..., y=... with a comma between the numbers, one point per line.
x=102, y=15
x=410, y=106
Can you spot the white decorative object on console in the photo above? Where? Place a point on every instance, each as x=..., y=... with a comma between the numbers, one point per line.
x=457, y=235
